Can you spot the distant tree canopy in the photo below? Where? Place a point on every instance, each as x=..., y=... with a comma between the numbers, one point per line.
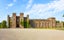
x=3, y=24
x=57, y=21
x=0, y=25
x=63, y=15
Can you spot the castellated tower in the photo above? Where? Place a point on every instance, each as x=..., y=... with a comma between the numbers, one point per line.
x=8, y=21
x=27, y=20
x=21, y=19
x=14, y=20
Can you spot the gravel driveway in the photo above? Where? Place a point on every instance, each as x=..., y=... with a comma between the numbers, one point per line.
x=31, y=34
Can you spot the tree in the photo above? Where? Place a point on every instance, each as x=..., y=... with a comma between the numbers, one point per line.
x=57, y=21
x=25, y=24
x=28, y=25
x=4, y=25
x=0, y=25
x=63, y=15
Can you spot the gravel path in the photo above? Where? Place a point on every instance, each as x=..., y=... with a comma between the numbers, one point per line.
x=31, y=34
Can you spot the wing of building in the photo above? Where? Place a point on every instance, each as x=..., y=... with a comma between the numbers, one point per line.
x=15, y=22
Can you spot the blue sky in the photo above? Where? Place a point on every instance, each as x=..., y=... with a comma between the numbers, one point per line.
x=37, y=9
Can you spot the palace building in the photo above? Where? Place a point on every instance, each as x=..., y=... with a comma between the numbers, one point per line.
x=15, y=22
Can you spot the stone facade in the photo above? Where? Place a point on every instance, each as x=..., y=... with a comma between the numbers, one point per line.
x=14, y=22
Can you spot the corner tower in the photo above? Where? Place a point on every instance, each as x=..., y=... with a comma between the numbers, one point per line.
x=21, y=20
x=14, y=20
x=8, y=21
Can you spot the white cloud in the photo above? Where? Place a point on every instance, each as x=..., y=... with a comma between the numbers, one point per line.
x=46, y=10
x=29, y=4
x=14, y=0
x=10, y=5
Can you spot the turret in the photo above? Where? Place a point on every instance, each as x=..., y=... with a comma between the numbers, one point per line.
x=21, y=19
x=27, y=20
x=14, y=20
x=8, y=21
